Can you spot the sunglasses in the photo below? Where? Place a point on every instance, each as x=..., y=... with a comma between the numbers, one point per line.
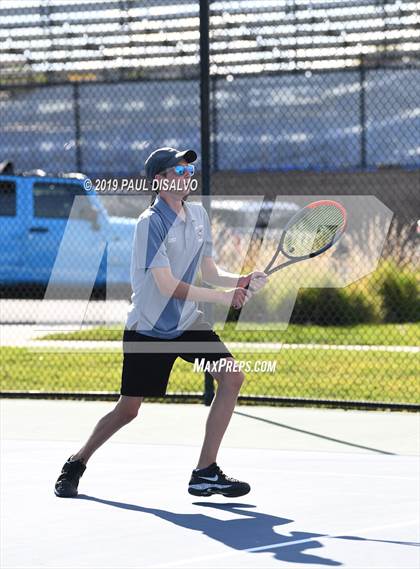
x=180, y=170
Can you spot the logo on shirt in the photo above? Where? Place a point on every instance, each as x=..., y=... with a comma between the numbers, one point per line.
x=199, y=231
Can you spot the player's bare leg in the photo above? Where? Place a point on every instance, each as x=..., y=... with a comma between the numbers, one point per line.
x=125, y=411
x=208, y=478
x=221, y=410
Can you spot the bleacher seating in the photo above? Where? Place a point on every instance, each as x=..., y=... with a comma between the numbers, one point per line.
x=69, y=38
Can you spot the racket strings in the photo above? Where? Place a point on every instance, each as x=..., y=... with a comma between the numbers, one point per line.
x=316, y=229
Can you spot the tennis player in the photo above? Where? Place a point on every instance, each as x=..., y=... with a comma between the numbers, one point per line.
x=172, y=242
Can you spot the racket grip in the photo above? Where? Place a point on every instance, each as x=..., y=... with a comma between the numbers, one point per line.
x=246, y=288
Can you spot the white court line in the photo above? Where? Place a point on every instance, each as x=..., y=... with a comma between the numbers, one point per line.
x=100, y=345
x=280, y=544
x=330, y=473
x=356, y=348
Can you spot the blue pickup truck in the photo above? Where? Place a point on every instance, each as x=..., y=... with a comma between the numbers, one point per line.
x=55, y=231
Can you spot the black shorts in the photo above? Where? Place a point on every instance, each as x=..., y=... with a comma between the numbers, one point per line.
x=145, y=372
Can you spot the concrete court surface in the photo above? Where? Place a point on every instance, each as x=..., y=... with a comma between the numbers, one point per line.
x=329, y=488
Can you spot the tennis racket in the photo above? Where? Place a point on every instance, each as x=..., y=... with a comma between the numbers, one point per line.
x=309, y=233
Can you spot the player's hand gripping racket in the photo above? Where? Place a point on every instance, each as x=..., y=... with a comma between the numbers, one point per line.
x=309, y=233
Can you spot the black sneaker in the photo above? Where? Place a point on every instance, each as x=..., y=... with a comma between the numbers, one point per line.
x=68, y=481
x=212, y=480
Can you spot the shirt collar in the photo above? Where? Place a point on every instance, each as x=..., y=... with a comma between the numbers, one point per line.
x=163, y=208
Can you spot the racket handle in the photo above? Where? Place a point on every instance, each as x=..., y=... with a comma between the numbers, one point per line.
x=239, y=309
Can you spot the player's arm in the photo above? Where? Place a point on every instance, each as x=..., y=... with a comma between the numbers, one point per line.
x=216, y=276
x=172, y=287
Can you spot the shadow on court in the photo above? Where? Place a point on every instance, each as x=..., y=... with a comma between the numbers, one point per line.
x=253, y=532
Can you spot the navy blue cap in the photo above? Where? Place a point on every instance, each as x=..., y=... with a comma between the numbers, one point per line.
x=166, y=157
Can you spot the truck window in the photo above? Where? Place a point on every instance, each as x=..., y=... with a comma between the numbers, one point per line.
x=54, y=199
x=7, y=199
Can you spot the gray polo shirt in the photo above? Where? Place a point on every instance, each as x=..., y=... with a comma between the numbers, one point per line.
x=163, y=239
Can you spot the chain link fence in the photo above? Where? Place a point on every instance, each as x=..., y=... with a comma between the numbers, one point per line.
x=306, y=100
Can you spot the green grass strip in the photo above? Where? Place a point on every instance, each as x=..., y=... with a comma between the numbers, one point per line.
x=363, y=334
x=332, y=374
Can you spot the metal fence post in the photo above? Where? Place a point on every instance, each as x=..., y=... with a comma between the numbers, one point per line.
x=214, y=125
x=76, y=106
x=205, y=145
x=362, y=113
